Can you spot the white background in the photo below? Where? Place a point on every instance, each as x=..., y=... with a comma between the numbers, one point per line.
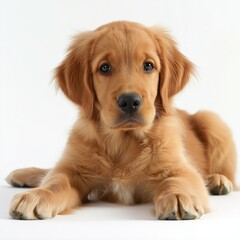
x=35, y=120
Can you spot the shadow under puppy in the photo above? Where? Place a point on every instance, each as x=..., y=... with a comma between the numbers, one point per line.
x=129, y=144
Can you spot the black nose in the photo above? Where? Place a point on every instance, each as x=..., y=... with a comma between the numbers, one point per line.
x=129, y=102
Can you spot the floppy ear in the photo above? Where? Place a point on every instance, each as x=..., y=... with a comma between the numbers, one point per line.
x=73, y=75
x=175, y=68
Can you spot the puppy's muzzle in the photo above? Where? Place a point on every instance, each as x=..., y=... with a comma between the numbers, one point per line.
x=129, y=102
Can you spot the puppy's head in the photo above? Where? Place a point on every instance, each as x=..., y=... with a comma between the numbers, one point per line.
x=124, y=72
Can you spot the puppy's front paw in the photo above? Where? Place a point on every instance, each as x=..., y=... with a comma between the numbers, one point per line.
x=34, y=204
x=178, y=207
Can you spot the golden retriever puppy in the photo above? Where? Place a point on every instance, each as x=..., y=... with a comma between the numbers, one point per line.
x=129, y=144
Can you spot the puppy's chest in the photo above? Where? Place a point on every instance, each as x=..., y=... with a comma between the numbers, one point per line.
x=122, y=151
x=130, y=168
x=122, y=185
x=114, y=191
x=119, y=186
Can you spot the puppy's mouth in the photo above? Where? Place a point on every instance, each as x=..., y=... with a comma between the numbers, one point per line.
x=128, y=122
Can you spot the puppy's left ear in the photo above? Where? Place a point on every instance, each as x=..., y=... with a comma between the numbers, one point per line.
x=175, y=68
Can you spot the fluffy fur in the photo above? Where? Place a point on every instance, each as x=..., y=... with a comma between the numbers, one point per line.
x=158, y=154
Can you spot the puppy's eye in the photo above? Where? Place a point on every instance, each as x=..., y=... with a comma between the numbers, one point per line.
x=105, y=68
x=148, y=67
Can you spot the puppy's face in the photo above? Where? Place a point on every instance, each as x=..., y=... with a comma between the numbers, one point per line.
x=124, y=73
x=125, y=70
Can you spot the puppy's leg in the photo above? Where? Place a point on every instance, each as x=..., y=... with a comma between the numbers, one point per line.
x=221, y=152
x=182, y=197
x=180, y=192
x=55, y=195
x=26, y=177
x=64, y=187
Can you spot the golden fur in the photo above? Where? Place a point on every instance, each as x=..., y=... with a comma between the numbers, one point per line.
x=158, y=154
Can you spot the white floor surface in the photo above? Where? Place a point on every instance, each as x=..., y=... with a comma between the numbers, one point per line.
x=104, y=221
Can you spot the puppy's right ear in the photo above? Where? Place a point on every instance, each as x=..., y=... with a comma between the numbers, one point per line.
x=73, y=76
